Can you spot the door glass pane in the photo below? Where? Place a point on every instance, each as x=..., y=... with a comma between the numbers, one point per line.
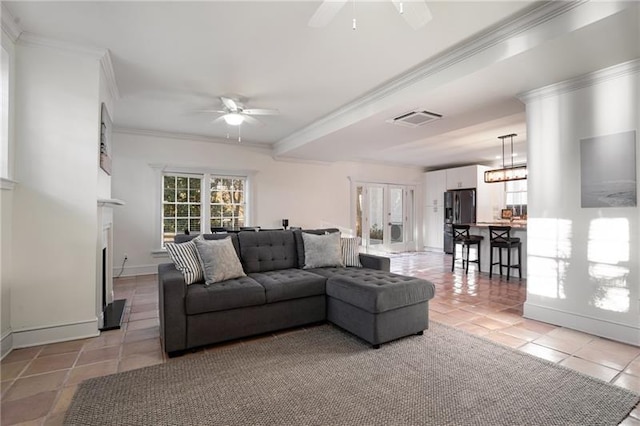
x=359, y=212
x=395, y=215
x=410, y=220
x=376, y=215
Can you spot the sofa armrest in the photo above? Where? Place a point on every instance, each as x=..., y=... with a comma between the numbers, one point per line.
x=171, y=305
x=375, y=262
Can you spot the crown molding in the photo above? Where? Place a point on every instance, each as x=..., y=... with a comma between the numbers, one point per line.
x=107, y=68
x=30, y=39
x=190, y=137
x=491, y=37
x=103, y=55
x=9, y=25
x=586, y=80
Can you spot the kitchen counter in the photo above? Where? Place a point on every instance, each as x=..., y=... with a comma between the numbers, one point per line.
x=519, y=230
x=515, y=225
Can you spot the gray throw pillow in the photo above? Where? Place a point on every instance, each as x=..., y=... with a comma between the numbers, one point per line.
x=185, y=257
x=351, y=251
x=219, y=260
x=321, y=250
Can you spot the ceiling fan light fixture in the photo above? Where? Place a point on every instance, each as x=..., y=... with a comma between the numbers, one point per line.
x=233, y=119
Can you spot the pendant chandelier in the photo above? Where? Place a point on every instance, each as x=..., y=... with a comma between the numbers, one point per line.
x=506, y=174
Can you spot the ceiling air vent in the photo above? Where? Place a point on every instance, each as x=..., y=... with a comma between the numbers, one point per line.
x=415, y=118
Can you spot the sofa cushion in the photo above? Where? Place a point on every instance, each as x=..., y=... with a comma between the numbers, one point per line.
x=321, y=250
x=218, y=259
x=267, y=250
x=230, y=294
x=181, y=238
x=352, y=272
x=289, y=284
x=378, y=291
x=300, y=244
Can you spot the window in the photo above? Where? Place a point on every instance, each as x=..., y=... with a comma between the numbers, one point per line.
x=197, y=202
x=516, y=196
x=181, y=205
x=227, y=202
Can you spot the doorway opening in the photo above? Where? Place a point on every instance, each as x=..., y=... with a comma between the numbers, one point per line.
x=384, y=217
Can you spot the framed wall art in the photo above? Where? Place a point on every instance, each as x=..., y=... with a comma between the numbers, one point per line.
x=608, y=170
x=105, y=140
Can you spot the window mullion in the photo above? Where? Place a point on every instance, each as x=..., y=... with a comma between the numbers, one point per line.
x=206, y=204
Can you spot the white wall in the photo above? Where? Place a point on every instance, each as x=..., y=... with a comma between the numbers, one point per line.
x=6, y=212
x=308, y=194
x=6, y=206
x=578, y=276
x=54, y=205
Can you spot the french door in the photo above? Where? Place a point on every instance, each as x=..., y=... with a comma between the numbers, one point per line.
x=385, y=217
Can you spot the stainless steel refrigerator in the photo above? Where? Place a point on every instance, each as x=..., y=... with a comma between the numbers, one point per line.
x=459, y=208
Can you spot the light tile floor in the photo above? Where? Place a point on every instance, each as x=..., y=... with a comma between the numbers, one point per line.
x=38, y=383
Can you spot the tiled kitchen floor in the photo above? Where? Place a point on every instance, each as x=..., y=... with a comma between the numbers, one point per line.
x=38, y=383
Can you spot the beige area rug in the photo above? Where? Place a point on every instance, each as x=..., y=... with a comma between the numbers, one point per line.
x=325, y=376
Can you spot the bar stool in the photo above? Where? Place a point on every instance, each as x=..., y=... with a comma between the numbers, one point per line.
x=461, y=236
x=500, y=238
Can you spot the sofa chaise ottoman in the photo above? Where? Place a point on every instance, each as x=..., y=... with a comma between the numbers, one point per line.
x=377, y=306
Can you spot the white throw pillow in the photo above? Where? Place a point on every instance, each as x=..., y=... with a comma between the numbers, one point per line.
x=219, y=260
x=322, y=250
x=185, y=257
x=350, y=251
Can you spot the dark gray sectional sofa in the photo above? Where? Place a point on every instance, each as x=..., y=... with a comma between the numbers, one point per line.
x=277, y=293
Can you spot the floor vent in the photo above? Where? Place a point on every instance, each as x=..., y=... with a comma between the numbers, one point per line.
x=415, y=118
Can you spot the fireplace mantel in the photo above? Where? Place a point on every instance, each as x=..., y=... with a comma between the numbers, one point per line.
x=109, y=202
x=109, y=311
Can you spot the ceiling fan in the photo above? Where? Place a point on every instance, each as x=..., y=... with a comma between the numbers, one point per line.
x=235, y=113
x=415, y=12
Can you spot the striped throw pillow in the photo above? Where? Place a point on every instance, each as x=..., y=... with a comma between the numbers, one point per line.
x=351, y=251
x=185, y=257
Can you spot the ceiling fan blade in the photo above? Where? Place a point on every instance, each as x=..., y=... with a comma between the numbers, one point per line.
x=415, y=12
x=229, y=103
x=325, y=13
x=260, y=111
x=216, y=111
x=251, y=120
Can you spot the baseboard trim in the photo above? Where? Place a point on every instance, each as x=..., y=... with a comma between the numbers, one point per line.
x=54, y=333
x=596, y=326
x=6, y=344
x=130, y=271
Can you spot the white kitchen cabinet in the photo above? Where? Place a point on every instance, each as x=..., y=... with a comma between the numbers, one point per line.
x=435, y=184
x=462, y=177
